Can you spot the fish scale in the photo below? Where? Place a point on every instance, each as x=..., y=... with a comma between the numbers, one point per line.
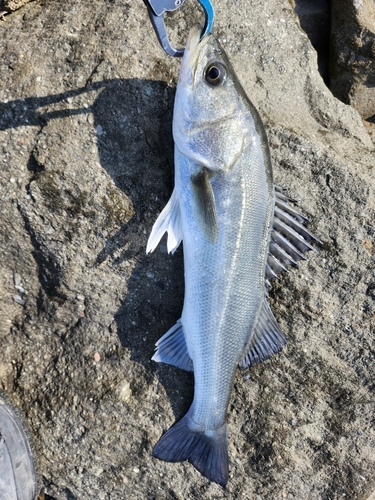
x=234, y=242
x=225, y=313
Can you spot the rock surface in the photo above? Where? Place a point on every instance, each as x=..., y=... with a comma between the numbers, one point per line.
x=86, y=99
x=352, y=71
x=11, y=5
x=315, y=19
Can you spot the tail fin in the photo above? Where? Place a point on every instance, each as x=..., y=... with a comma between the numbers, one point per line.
x=207, y=451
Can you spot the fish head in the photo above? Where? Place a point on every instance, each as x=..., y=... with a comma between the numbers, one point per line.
x=210, y=125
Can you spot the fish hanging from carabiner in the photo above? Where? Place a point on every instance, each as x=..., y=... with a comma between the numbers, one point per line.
x=156, y=9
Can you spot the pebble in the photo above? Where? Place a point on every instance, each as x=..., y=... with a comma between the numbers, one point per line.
x=124, y=391
x=19, y=300
x=97, y=357
x=99, y=130
x=16, y=279
x=160, y=285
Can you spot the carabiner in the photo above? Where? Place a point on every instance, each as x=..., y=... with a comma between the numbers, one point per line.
x=156, y=9
x=209, y=14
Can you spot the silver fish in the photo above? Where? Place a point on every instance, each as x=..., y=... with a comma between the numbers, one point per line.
x=238, y=232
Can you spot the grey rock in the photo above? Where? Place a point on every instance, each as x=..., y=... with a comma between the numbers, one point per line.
x=352, y=70
x=12, y=5
x=315, y=19
x=76, y=357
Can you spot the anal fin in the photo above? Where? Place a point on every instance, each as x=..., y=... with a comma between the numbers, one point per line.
x=267, y=338
x=171, y=348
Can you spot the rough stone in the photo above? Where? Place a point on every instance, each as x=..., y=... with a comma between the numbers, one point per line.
x=315, y=20
x=86, y=99
x=352, y=72
x=11, y=5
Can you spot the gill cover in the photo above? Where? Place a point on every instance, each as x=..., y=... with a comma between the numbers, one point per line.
x=207, y=110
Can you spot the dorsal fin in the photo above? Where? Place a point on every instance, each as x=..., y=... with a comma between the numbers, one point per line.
x=289, y=237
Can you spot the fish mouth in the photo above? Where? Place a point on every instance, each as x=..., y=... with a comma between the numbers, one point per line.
x=190, y=58
x=194, y=38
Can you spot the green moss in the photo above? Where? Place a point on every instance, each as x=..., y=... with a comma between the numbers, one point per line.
x=77, y=202
x=116, y=211
x=58, y=199
x=50, y=190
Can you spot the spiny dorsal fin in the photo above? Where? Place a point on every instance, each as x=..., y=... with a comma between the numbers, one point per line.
x=267, y=338
x=289, y=237
x=171, y=348
x=205, y=200
x=168, y=221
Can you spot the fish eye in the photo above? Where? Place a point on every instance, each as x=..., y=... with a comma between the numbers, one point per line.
x=215, y=74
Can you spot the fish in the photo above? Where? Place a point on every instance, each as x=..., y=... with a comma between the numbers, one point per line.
x=239, y=231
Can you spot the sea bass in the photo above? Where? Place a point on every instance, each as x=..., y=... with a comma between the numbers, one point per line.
x=238, y=232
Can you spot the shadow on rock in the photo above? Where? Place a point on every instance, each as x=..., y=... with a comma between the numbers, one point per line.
x=133, y=122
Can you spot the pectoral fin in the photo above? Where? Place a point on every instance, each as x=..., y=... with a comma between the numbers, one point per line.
x=205, y=201
x=168, y=221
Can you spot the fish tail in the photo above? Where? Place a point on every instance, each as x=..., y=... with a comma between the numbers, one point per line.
x=207, y=451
